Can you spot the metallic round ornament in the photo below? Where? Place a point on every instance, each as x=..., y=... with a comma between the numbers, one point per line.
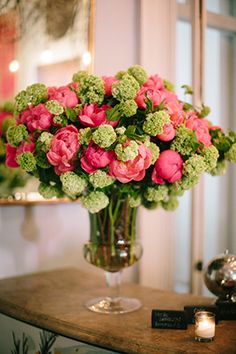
x=220, y=277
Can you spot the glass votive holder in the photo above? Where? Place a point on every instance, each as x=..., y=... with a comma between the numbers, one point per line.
x=204, y=326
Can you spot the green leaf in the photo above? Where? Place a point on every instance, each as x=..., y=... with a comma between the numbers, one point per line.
x=187, y=106
x=71, y=114
x=113, y=114
x=188, y=89
x=204, y=111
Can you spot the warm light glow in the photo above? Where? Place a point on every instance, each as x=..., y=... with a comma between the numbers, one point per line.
x=46, y=56
x=14, y=66
x=86, y=59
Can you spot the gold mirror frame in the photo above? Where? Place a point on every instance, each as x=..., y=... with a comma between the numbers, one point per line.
x=24, y=196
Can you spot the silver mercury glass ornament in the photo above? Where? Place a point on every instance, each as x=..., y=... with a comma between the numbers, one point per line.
x=220, y=277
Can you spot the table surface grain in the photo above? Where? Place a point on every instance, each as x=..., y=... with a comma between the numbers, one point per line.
x=54, y=300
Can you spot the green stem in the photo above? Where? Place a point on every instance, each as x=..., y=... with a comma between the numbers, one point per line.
x=112, y=235
x=133, y=232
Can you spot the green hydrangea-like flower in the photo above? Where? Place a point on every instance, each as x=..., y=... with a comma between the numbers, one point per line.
x=184, y=184
x=125, y=89
x=8, y=122
x=27, y=161
x=126, y=153
x=138, y=73
x=60, y=120
x=21, y=102
x=91, y=90
x=120, y=130
x=171, y=204
x=85, y=136
x=2, y=148
x=104, y=136
x=134, y=202
x=128, y=108
x=48, y=191
x=54, y=107
x=100, y=179
x=37, y=93
x=175, y=189
x=210, y=155
x=156, y=194
x=41, y=159
x=80, y=76
x=155, y=152
x=15, y=134
x=72, y=184
x=121, y=74
x=95, y=201
x=8, y=107
x=155, y=122
x=230, y=155
x=169, y=86
x=194, y=166
x=185, y=141
x=45, y=140
x=220, y=168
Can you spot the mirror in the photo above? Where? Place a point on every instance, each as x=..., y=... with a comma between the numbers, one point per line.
x=41, y=41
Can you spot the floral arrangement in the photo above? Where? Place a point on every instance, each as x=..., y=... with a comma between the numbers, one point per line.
x=129, y=134
x=9, y=178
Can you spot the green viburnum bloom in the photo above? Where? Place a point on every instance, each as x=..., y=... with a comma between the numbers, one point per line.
x=169, y=86
x=175, y=189
x=194, y=166
x=37, y=93
x=120, y=130
x=95, y=201
x=8, y=107
x=185, y=141
x=21, y=102
x=155, y=122
x=155, y=152
x=134, y=202
x=121, y=74
x=27, y=161
x=48, y=191
x=72, y=184
x=138, y=73
x=184, y=184
x=2, y=148
x=230, y=155
x=100, y=179
x=125, y=89
x=8, y=122
x=85, y=136
x=220, y=168
x=45, y=141
x=60, y=120
x=128, y=108
x=171, y=204
x=80, y=76
x=210, y=155
x=126, y=153
x=156, y=194
x=54, y=107
x=41, y=159
x=16, y=134
x=91, y=90
x=104, y=135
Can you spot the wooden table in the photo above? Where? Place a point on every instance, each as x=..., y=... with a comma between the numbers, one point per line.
x=55, y=300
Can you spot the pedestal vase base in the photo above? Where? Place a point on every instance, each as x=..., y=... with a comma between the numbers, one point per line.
x=108, y=305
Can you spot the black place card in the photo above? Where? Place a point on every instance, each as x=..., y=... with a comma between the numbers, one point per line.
x=227, y=310
x=169, y=319
x=191, y=310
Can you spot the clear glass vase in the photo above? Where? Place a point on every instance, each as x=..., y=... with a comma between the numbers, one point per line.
x=113, y=247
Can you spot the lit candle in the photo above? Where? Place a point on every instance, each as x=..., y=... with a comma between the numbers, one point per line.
x=204, y=326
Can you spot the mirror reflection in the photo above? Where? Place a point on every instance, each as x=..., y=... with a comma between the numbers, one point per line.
x=40, y=41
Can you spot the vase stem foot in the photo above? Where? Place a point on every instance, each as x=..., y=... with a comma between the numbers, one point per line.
x=118, y=305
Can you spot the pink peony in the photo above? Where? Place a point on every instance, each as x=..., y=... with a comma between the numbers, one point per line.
x=171, y=102
x=216, y=127
x=35, y=117
x=168, y=167
x=200, y=126
x=12, y=152
x=92, y=115
x=152, y=93
x=132, y=169
x=64, y=95
x=177, y=118
x=168, y=134
x=154, y=81
x=108, y=81
x=65, y=145
x=95, y=157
